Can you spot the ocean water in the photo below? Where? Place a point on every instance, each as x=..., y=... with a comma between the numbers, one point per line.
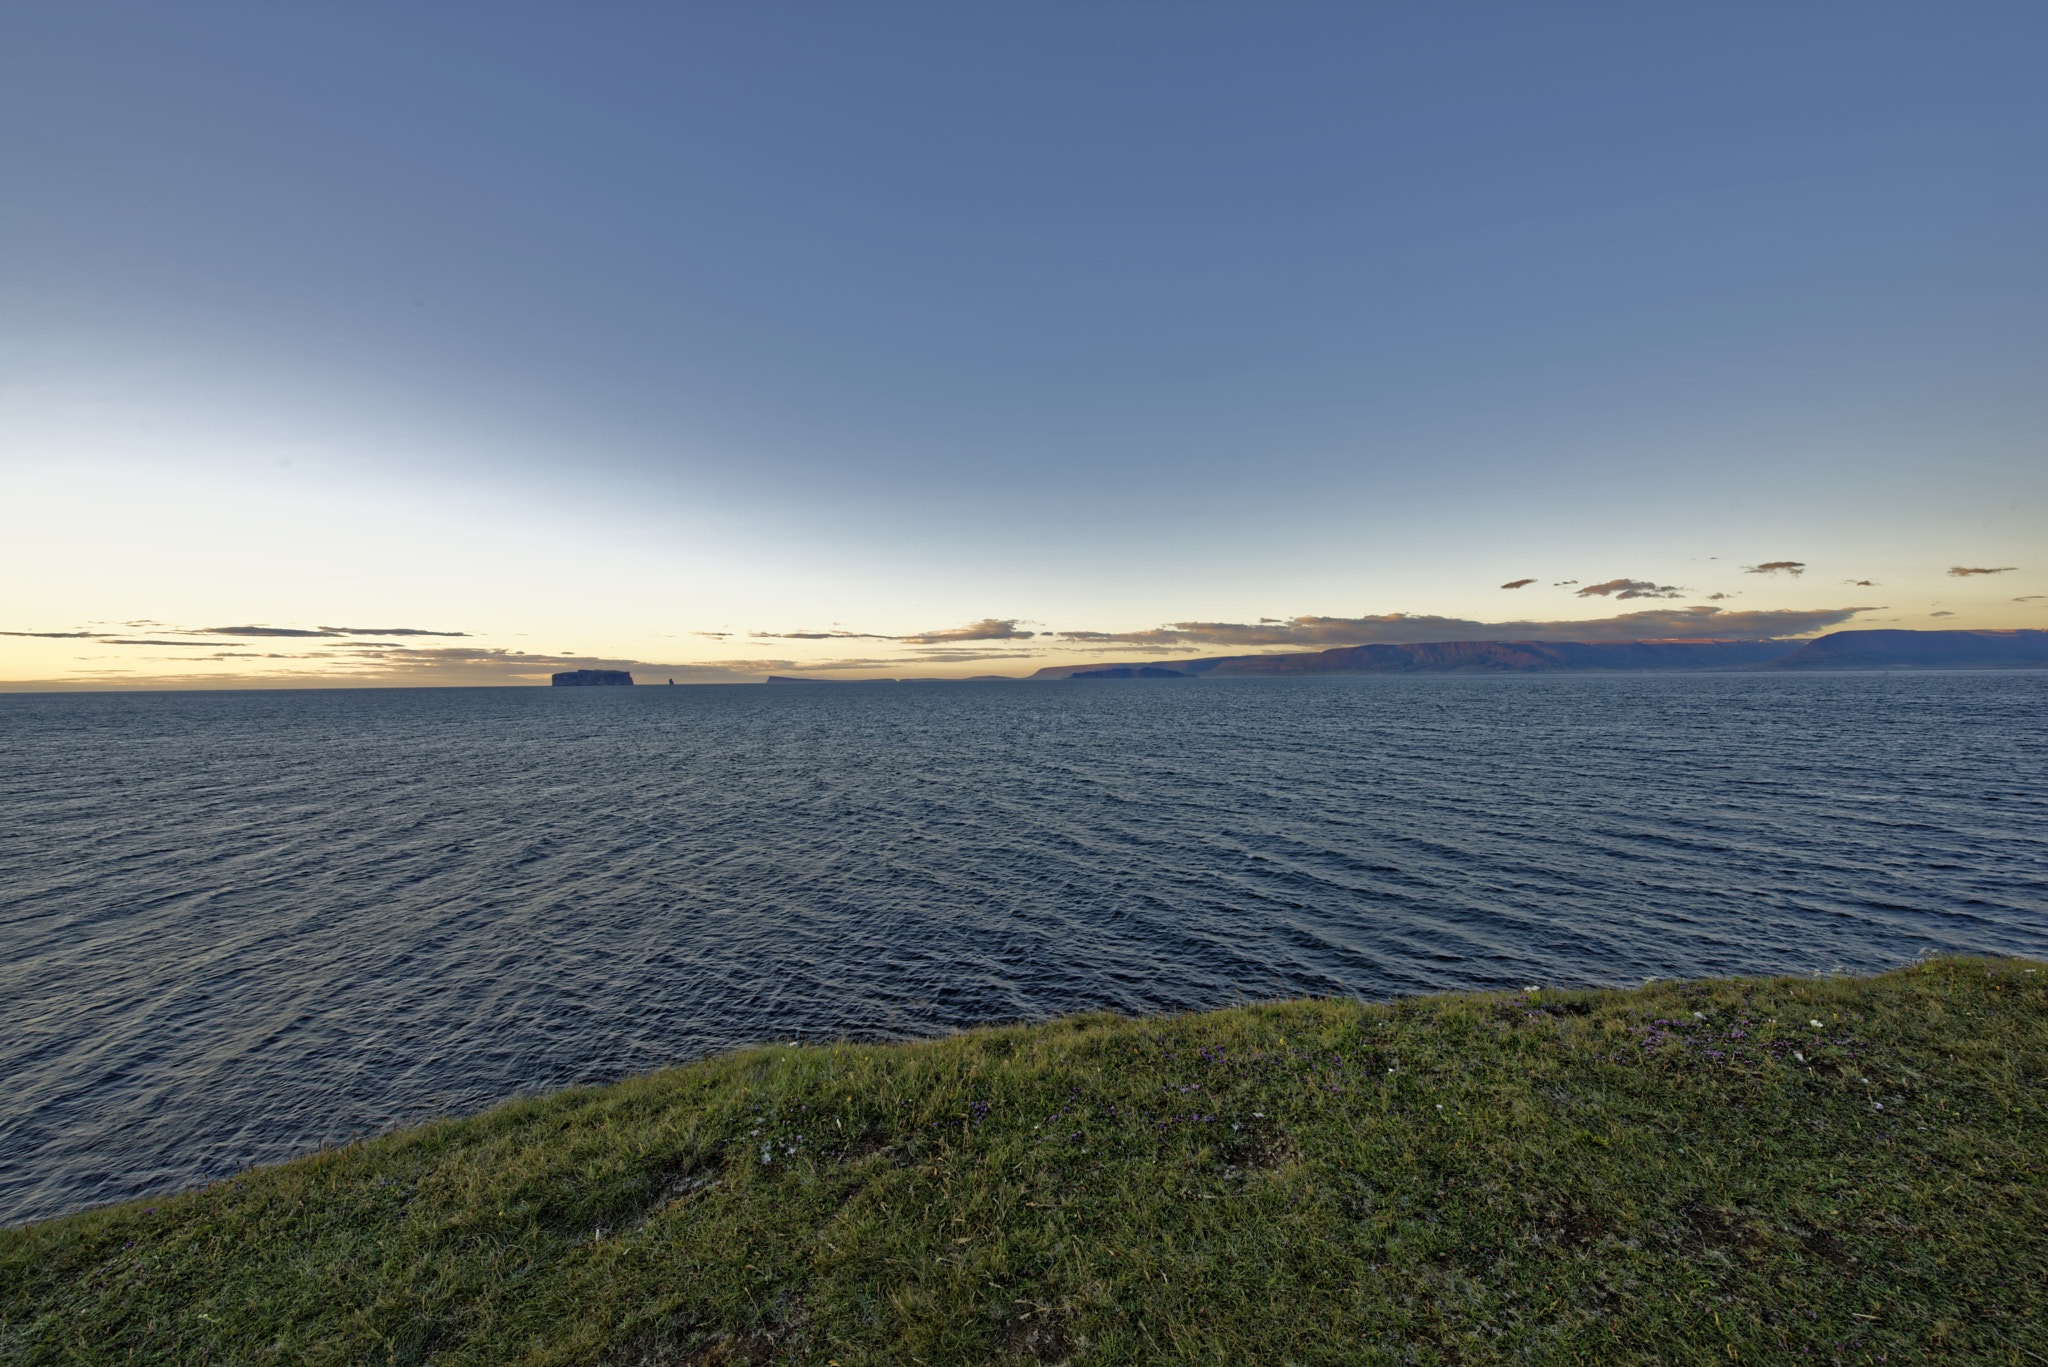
x=234, y=926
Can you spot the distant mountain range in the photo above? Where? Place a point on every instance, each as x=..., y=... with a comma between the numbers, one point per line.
x=1837, y=650
x=1921, y=650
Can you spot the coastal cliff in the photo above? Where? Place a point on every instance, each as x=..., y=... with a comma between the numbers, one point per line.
x=1455, y=657
x=1876, y=649
x=1510, y=657
x=1882, y=649
x=1789, y=1170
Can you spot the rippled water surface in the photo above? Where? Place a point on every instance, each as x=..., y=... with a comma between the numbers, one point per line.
x=236, y=925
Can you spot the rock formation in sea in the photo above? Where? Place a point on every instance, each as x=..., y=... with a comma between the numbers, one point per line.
x=593, y=678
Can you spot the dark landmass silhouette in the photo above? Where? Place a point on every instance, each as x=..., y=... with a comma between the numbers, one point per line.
x=1517, y=657
x=1873, y=649
x=592, y=678
x=1461, y=657
x=1876, y=649
x=1893, y=649
x=1129, y=672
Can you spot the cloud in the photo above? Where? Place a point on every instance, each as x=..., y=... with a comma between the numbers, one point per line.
x=1631, y=588
x=1518, y=583
x=1393, y=628
x=1941, y=614
x=1564, y=583
x=2030, y=597
x=1965, y=571
x=820, y=636
x=358, y=664
x=292, y=632
x=1717, y=597
x=1795, y=568
x=924, y=659
x=352, y=663
x=263, y=631
x=987, y=629
x=1861, y=583
x=487, y=664
x=302, y=631
x=335, y=656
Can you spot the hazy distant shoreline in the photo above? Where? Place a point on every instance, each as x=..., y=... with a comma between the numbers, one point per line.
x=1836, y=651
x=1839, y=652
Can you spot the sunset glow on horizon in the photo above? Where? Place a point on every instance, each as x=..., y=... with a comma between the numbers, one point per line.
x=915, y=341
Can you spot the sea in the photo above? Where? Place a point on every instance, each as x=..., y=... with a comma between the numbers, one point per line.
x=235, y=926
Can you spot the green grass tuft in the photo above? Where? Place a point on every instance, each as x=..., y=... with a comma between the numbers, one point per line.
x=1685, y=1173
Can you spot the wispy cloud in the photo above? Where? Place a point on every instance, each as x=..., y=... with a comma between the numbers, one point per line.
x=1795, y=568
x=1631, y=588
x=332, y=658
x=987, y=629
x=1941, y=614
x=820, y=636
x=1965, y=571
x=262, y=631
x=1518, y=583
x=299, y=633
x=2030, y=597
x=323, y=631
x=1861, y=583
x=355, y=662
x=255, y=655
x=921, y=660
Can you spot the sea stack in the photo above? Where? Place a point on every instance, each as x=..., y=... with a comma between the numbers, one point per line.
x=593, y=678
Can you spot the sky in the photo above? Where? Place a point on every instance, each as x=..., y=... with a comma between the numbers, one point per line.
x=460, y=342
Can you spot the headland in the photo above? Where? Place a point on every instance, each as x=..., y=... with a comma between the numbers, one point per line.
x=1754, y=1170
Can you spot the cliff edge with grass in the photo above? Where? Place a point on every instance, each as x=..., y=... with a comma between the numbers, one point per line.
x=1754, y=1170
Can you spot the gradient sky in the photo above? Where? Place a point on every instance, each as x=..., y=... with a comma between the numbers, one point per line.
x=866, y=338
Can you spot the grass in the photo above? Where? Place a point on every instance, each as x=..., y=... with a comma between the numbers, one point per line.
x=1684, y=1173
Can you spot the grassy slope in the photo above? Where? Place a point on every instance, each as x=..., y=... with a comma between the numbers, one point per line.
x=1646, y=1175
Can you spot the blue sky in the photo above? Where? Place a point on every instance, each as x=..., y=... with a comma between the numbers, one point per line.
x=595, y=331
